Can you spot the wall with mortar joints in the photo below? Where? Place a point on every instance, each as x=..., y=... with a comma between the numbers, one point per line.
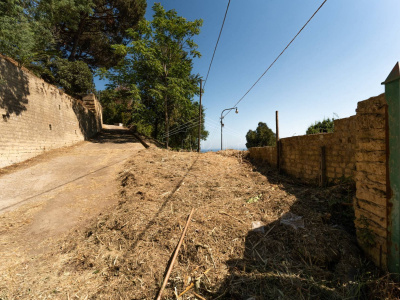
x=370, y=203
x=357, y=150
x=301, y=155
x=36, y=116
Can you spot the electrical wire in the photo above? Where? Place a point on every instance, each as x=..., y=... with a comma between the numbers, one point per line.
x=287, y=46
x=225, y=127
x=181, y=129
x=185, y=124
x=216, y=45
x=169, y=135
x=195, y=125
x=226, y=130
x=195, y=118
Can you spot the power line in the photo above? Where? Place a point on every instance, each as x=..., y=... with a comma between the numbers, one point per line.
x=181, y=130
x=173, y=132
x=216, y=123
x=188, y=123
x=169, y=135
x=216, y=45
x=287, y=46
x=185, y=124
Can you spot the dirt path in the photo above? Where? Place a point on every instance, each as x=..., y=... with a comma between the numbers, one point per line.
x=44, y=198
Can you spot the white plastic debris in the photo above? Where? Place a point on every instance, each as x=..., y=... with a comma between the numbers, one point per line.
x=257, y=226
x=293, y=220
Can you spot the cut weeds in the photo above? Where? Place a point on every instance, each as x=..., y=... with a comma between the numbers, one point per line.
x=125, y=252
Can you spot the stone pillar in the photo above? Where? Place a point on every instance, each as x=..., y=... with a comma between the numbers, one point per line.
x=392, y=92
x=370, y=203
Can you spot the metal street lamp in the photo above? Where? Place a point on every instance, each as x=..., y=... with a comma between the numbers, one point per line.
x=222, y=117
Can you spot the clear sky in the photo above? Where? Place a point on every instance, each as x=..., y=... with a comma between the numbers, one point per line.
x=341, y=58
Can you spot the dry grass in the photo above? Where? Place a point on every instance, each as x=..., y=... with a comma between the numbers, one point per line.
x=125, y=252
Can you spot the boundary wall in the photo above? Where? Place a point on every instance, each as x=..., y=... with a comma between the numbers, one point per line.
x=36, y=116
x=356, y=151
x=301, y=156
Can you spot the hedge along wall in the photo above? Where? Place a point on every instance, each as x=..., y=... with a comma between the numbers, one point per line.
x=356, y=150
x=36, y=116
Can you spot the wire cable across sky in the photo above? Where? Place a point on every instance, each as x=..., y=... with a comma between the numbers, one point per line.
x=216, y=45
x=287, y=46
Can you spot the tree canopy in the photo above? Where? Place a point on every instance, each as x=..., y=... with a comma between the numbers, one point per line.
x=321, y=126
x=64, y=41
x=156, y=79
x=85, y=30
x=22, y=35
x=262, y=136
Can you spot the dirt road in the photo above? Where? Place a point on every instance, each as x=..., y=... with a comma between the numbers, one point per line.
x=62, y=189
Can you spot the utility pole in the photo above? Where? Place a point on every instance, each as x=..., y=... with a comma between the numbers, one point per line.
x=277, y=142
x=198, y=145
x=222, y=125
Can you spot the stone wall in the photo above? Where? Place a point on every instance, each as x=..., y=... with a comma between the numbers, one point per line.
x=301, y=155
x=356, y=150
x=371, y=202
x=36, y=116
x=264, y=155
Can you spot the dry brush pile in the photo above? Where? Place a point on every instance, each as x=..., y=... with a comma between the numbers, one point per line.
x=125, y=252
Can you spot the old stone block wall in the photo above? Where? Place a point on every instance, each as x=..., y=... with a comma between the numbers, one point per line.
x=301, y=155
x=36, y=116
x=356, y=150
x=264, y=154
x=371, y=202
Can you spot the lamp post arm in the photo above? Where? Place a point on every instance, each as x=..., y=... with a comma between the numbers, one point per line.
x=226, y=110
x=222, y=117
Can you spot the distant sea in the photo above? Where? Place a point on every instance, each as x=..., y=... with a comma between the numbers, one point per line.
x=209, y=150
x=215, y=150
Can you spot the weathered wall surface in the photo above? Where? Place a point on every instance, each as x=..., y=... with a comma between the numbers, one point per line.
x=371, y=202
x=264, y=154
x=36, y=116
x=301, y=155
x=355, y=150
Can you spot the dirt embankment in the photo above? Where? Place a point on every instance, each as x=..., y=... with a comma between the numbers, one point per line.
x=125, y=251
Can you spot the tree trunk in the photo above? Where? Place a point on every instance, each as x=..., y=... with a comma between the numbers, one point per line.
x=77, y=36
x=166, y=121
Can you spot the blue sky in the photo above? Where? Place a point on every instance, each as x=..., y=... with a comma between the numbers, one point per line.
x=341, y=58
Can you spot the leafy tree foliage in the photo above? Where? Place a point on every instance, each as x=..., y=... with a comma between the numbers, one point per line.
x=86, y=29
x=63, y=41
x=22, y=36
x=320, y=127
x=262, y=136
x=75, y=77
x=118, y=106
x=156, y=75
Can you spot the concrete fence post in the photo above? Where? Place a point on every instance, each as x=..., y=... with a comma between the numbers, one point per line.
x=392, y=94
